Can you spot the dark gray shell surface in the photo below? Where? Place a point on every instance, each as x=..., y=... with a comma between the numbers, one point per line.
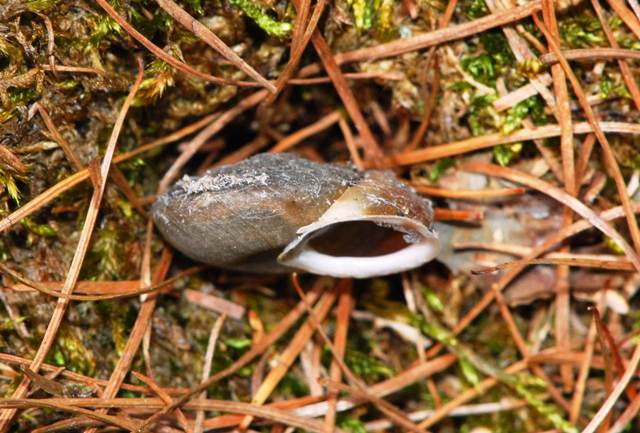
x=241, y=216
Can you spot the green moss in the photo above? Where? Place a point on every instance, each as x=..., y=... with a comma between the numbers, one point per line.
x=581, y=31
x=365, y=366
x=271, y=26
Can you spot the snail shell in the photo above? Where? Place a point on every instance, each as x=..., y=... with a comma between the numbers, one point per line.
x=280, y=213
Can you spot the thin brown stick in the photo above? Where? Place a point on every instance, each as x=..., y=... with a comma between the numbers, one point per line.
x=208, y=37
x=83, y=244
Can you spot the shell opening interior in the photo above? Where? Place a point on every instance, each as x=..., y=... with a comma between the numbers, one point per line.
x=362, y=249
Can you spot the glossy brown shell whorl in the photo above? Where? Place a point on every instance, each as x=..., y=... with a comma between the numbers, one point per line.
x=280, y=212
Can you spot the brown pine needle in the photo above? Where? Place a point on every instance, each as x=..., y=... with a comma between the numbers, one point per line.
x=440, y=36
x=257, y=349
x=78, y=258
x=627, y=75
x=306, y=132
x=563, y=110
x=343, y=315
x=490, y=140
x=606, y=407
x=470, y=194
x=64, y=144
x=199, y=140
x=562, y=197
x=182, y=67
x=164, y=397
x=286, y=358
x=594, y=54
x=208, y=37
x=215, y=303
x=41, y=200
x=206, y=369
x=599, y=132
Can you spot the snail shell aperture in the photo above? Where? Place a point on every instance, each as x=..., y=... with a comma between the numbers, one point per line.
x=281, y=213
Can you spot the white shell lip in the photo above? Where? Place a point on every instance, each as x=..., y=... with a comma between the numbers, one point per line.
x=298, y=254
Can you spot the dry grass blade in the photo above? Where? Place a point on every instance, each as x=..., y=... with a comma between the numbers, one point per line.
x=562, y=197
x=207, y=36
x=163, y=55
x=78, y=258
